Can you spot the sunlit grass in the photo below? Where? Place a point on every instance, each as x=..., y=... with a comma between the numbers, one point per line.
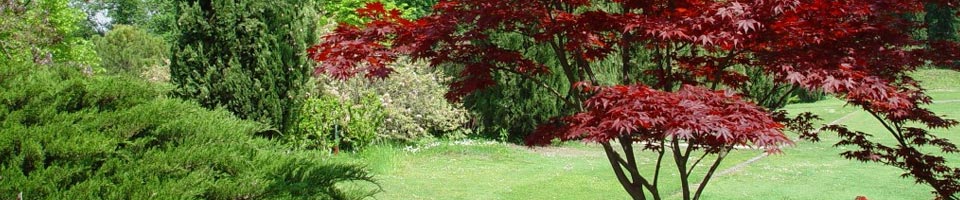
x=816, y=171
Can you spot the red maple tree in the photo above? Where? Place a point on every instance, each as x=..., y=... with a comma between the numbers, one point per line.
x=697, y=53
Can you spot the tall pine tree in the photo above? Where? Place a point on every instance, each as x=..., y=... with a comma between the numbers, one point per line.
x=245, y=55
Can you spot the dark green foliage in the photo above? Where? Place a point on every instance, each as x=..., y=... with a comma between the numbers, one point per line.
x=68, y=136
x=162, y=19
x=772, y=95
x=246, y=56
x=941, y=22
x=516, y=105
x=513, y=108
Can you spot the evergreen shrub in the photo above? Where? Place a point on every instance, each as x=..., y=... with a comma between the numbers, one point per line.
x=65, y=135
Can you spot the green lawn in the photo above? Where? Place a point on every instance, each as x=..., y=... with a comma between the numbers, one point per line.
x=505, y=171
x=815, y=171
x=486, y=170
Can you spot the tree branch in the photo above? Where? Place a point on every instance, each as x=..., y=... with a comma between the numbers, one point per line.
x=616, y=162
x=713, y=168
x=585, y=66
x=656, y=174
x=681, y=162
x=626, y=143
x=896, y=133
x=686, y=151
x=625, y=58
x=723, y=66
x=695, y=163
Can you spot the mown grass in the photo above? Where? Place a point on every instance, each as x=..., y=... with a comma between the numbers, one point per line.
x=506, y=171
x=816, y=171
x=939, y=80
x=807, y=170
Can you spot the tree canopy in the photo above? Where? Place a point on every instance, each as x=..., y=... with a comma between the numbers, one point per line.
x=682, y=71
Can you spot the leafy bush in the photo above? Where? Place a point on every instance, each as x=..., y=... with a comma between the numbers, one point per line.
x=344, y=11
x=363, y=122
x=412, y=99
x=68, y=136
x=129, y=50
x=44, y=32
x=320, y=120
x=327, y=123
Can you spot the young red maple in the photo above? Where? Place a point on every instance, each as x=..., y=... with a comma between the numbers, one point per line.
x=693, y=57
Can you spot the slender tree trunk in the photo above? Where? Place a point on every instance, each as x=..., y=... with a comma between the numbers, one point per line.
x=681, y=162
x=625, y=59
x=713, y=168
x=635, y=191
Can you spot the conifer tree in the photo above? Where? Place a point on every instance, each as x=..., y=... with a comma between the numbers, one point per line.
x=941, y=22
x=246, y=56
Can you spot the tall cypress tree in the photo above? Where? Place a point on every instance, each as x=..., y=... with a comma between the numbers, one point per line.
x=245, y=55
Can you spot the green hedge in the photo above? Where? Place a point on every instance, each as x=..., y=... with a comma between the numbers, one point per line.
x=64, y=135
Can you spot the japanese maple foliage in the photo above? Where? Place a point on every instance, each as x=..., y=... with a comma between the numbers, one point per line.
x=713, y=119
x=697, y=52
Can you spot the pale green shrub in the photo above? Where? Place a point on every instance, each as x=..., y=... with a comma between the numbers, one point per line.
x=327, y=123
x=412, y=98
x=320, y=120
x=130, y=50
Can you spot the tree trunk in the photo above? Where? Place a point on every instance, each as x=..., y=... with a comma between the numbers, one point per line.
x=635, y=190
